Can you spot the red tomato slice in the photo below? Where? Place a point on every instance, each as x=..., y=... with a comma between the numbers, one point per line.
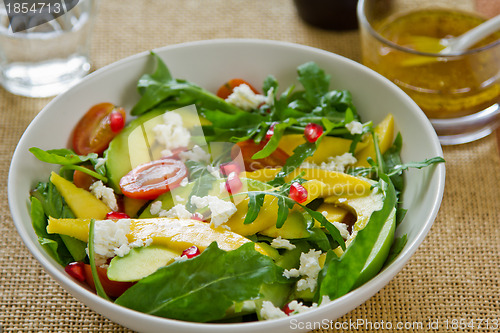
x=227, y=88
x=249, y=148
x=149, y=180
x=93, y=132
x=112, y=288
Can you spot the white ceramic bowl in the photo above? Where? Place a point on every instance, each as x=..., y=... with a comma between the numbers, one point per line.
x=208, y=64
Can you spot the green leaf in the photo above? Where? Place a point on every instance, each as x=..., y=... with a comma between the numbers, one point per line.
x=52, y=243
x=332, y=230
x=272, y=144
x=340, y=275
x=201, y=289
x=418, y=165
x=255, y=202
x=314, y=80
x=396, y=248
x=95, y=276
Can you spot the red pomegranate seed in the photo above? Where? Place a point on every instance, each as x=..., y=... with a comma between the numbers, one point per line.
x=270, y=131
x=116, y=216
x=116, y=121
x=298, y=193
x=197, y=216
x=76, y=270
x=286, y=309
x=191, y=252
x=233, y=183
x=313, y=132
x=227, y=168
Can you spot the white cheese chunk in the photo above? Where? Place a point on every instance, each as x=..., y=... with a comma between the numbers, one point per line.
x=355, y=127
x=178, y=211
x=220, y=210
x=171, y=134
x=244, y=98
x=196, y=154
x=334, y=163
x=282, y=243
x=105, y=194
x=269, y=311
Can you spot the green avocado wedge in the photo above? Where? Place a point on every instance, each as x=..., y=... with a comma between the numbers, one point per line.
x=121, y=155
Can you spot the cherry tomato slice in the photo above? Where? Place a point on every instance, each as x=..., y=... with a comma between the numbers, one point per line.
x=249, y=148
x=149, y=180
x=227, y=88
x=93, y=132
x=112, y=288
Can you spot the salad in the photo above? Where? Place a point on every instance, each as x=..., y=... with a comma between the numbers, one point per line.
x=238, y=205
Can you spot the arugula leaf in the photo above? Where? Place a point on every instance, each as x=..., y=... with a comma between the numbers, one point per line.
x=314, y=80
x=341, y=275
x=396, y=170
x=272, y=144
x=201, y=289
x=255, y=202
x=95, y=276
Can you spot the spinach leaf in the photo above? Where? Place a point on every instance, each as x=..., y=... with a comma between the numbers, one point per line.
x=160, y=87
x=272, y=144
x=341, y=275
x=70, y=160
x=396, y=248
x=53, y=205
x=52, y=243
x=201, y=289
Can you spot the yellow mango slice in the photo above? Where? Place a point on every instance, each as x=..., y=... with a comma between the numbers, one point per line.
x=328, y=147
x=81, y=202
x=267, y=217
x=333, y=213
x=175, y=234
x=385, y=133
x=293, y=228
x=337, y=183
x=132, y=206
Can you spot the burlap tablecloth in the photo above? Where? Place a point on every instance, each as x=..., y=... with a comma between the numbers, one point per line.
x=454, y=274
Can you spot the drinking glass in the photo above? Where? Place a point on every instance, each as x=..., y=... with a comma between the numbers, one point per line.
x=44, y=45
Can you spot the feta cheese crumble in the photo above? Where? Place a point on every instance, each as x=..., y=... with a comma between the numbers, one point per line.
x=269, y=311
x=309, y=270
x=155, y=207
x=334, y=163
x=196, y=154
x=105, y=194
x=172, y=134
x=282, y=243
x=355, y=127
x=110, y=238
x=178, y=211
x=220, y=210
x=244, y=98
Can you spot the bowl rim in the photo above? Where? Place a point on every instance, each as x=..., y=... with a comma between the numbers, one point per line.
x=361, y=294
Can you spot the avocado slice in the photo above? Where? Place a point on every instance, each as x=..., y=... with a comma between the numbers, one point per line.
x=140, y=262
x=119, y=160
x=295, y=227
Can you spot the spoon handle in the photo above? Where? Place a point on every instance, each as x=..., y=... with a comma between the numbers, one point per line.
x=473, y=36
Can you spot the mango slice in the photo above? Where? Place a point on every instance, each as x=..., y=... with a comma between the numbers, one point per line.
x=328, y=147
x=175, y=234
x=81, y=202
x=337, y=183
x=385, y=133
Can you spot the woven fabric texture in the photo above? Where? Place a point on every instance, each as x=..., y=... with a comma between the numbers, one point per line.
x=454, y=275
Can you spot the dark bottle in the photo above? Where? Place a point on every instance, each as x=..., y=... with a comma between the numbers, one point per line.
x=329, y=14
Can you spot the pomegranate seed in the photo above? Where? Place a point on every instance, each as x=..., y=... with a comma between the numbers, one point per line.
x=197, y=216
x=191, y=252
x=313, y=132
x=227, y=168
x=116, y=121
x=233, y=183
x=76, y=270
x=116, y=216
x=286, y=309
x=298, y=192
x=270, y=131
